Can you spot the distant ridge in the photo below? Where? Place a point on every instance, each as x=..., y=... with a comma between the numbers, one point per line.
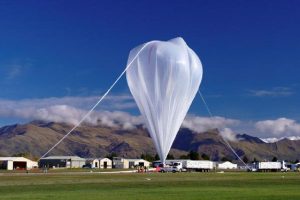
x=272, y=140
x=37, y=137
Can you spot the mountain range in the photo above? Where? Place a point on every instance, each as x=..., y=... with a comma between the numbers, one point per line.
x=36, y=137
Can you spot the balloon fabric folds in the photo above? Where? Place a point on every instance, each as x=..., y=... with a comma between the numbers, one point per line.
x=164, y=79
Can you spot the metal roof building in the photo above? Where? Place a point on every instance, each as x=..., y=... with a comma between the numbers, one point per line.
x=62, y=162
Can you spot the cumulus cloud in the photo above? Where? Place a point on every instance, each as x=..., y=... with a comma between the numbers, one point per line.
x=200, y=124
x=281, y=127
x=228, y=134
x=274, y=92
x=72, y=109
x=117, y=119
x=272, y=140
x=72, y=115
x=113, y=113
x=293, y=137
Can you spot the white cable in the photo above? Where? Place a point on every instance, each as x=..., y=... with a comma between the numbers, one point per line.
x=226, y=142
x=99, y=101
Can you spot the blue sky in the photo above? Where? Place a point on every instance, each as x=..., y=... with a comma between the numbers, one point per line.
x=249, y=51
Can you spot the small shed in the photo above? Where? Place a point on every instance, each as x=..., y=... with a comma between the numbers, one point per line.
x=105, y=163
x=226, y=165
x=12, y=163
x=100, y=163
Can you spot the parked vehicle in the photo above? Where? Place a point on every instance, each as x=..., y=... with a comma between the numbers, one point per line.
x=284, y=167
x=173, y=167
x=87, y=166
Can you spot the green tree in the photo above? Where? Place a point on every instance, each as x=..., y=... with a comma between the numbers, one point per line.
x=225, y=159
x=274, y=159
x=112, y=155
x=194, y=155
x=184, y=157
x=147, y=157
x=156, y=157
x=245, y=159
x=205, y=156
x=23, y=154
x=170, y=156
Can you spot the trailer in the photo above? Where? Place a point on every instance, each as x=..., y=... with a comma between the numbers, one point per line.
x=268, y=166
x=198, y=165
x=184, y=165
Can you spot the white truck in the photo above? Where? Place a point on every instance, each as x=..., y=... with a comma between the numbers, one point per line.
x=187, y=165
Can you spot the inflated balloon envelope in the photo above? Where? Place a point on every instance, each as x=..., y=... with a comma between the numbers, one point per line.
x=164, y=79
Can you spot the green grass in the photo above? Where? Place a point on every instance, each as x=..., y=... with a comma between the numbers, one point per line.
x=188, y=186
x=62, y=170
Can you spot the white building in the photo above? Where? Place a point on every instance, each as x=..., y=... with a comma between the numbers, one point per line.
x=226, y=165
x=12, y=163
x=100, y=163
x=125, y=163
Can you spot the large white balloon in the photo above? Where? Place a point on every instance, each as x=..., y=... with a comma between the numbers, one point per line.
x=164, y=79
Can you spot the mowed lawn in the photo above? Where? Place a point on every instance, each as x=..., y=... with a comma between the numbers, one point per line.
x=228, y=185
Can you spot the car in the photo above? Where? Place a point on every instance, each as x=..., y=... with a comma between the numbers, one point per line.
x=87, y=166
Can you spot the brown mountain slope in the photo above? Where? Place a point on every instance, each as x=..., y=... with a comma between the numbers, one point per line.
x=96, y=141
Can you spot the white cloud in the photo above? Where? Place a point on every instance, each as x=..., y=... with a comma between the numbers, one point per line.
x=274, y=92
x=70, y=114
x=72, y=109
x=293, y=137
x=272, y=140
x=281, y=127
x=228, y=134
x=200, y=124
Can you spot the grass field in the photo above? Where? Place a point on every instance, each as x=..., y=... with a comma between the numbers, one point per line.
x=203, y=186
